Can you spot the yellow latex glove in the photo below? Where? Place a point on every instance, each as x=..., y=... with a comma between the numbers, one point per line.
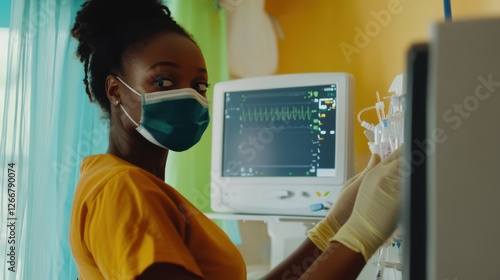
x=375, y=213
x=321, y=234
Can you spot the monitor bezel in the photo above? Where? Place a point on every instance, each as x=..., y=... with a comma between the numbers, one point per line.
x=344, y=84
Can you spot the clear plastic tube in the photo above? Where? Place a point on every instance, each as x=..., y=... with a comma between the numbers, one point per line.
x=382, y=259
x=364, y=110
x=388, y=132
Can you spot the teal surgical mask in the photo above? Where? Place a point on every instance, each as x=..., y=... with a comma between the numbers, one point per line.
x=172, y=119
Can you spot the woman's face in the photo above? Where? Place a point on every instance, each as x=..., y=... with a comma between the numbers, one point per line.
x=169, y=61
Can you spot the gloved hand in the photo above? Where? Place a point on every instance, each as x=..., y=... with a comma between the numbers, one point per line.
x=321, y=234
x=375, y=213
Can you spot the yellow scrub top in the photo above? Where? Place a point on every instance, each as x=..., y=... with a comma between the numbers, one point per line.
x=124, y=219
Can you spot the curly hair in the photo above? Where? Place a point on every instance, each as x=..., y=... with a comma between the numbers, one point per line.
x=107, y=30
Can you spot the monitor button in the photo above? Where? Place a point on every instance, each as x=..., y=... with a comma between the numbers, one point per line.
x=320, y=206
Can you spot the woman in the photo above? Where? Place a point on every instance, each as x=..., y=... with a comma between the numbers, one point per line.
x=150, y=78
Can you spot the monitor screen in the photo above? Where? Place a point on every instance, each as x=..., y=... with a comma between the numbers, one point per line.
x=281, y=144
x=280, y=132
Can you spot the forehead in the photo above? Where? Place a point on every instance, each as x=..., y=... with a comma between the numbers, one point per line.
x=166, y=47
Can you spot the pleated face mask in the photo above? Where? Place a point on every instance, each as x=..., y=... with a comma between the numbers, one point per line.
x=172, y=119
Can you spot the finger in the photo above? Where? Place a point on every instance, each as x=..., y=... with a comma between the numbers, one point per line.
x=353, y=178
x=374, y=160
x=393, y=176
x=351, y=181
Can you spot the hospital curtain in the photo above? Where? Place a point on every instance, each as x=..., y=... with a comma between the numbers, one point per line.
x=47, y=127
x=189, y=171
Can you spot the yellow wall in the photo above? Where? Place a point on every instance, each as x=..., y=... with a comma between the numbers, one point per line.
x=315, y=31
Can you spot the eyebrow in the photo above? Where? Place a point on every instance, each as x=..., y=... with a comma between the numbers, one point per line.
x=173, y=64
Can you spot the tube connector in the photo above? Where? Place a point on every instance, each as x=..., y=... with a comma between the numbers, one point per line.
x=368, y=126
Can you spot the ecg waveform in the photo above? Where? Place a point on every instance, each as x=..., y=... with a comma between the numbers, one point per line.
x=284, y=113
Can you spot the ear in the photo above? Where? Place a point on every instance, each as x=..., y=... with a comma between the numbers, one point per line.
x=112, y=90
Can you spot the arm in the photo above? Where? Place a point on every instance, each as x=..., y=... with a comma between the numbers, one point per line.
x=297, y=263
x=319, y=237
x=373, y=219
x=308, y=262
x=133, y=230
x=337, y=262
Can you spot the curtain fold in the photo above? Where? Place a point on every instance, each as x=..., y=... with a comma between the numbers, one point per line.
x=48, y=126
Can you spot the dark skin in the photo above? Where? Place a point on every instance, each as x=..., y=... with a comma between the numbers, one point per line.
x=308, y=262
x=171, y=61
x=168, y=62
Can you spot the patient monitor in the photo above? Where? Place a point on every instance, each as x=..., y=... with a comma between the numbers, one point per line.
x=281, y=144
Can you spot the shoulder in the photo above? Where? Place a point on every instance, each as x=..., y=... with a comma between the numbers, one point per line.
x=132, y=200
x=106, y=173
x=107, y=182
x=137, y=188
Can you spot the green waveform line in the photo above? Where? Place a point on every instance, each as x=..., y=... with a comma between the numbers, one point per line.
x=276, y=114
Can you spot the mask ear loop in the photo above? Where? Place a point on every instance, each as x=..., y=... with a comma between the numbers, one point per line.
x=133, y=90
x=129, y=87
x=130, y=118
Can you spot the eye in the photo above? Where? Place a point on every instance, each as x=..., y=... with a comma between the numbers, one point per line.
x=163, y=82
x=201, y=87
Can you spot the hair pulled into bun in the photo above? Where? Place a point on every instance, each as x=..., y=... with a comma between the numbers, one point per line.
x=106, y=29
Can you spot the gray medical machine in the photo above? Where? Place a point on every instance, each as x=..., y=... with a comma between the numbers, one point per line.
x=452, y=195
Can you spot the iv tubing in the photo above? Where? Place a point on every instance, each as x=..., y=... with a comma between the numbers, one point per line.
x=362, y=111
x=380, y=110
x=381, y=263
